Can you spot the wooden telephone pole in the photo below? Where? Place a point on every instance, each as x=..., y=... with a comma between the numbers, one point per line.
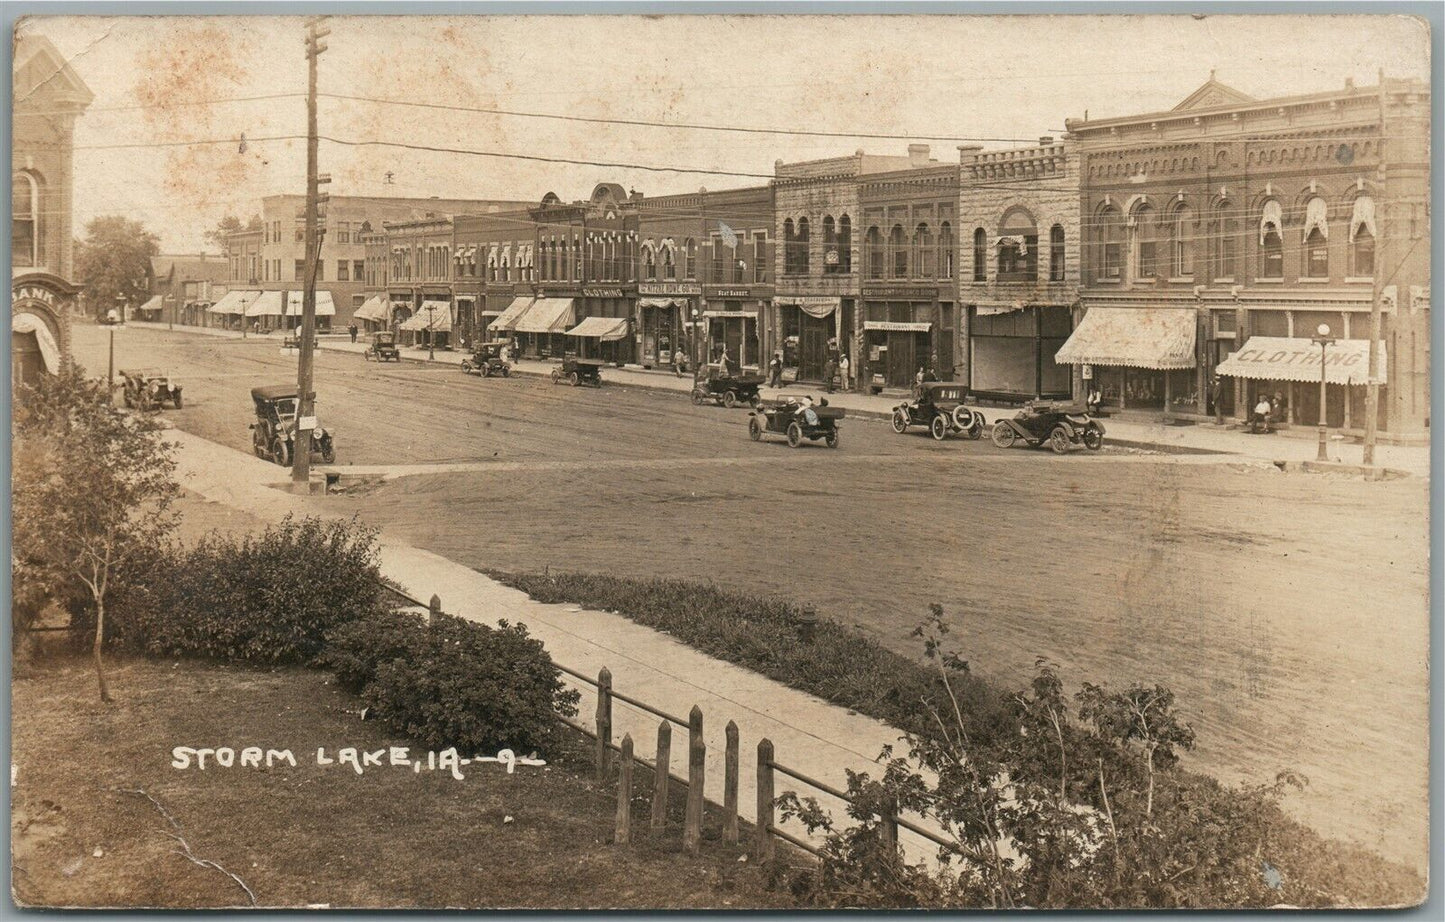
x=306, y=409
x=1382, y=246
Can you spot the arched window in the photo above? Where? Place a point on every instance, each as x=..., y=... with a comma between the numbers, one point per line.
x=1316, y=239
x=873, y=252
x=845, y=244
x=1271, y=241
x=945, y=251
x=922, y=252
x=649, y=263
x=790, y=248
x=1056, y=253
x=831, y=262
x=980, y=255
x=1181, y=243
x=1109, y=259
x=1145, y=248
x=1362, y=238
x=898, y=253
x=1018, y=247
x=669, y=263
x=803, y=254
x=689, y=259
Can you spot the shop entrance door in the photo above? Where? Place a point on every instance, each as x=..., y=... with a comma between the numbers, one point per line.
x=813, y=348
x=902, y=361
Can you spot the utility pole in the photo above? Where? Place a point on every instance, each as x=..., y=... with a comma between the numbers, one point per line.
x=1382, y=246
x=306, y=409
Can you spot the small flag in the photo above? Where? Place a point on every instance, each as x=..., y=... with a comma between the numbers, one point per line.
x=728, y=236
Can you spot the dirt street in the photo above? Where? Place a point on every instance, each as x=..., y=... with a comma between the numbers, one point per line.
x=1287, y=611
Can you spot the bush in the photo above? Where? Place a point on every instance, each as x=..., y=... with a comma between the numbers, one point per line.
x=268, y=597
x=453, y=682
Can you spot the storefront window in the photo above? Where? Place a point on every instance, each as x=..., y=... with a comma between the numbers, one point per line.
x=1012, y=352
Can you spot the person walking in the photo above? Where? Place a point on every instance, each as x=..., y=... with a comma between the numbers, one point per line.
x=775, y=370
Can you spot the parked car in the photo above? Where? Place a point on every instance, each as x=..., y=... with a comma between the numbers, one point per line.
x=149, y=389
x=1063, y=426
x=939, y=406
x=383, y=347
x=273, y=434
x=728, y=390
x=488, y=359
x=577, y=371
x=797, y=421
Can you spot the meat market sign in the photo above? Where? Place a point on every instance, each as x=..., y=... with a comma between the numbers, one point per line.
x=1277, y=358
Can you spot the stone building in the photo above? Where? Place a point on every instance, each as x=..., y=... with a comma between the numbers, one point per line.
x=1220, y=235
x=1018, y=271
x=48, y=97
x=419, y=279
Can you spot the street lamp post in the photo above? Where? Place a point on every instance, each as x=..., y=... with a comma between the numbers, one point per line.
x=1323, y=337
x=431, y=337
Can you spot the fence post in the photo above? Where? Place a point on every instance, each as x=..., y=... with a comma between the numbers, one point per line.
x=604, y=722
x=890, y=825
x=696, y=756
x=624, y=793
x=433, y=608
x=730, y=785
x=660, y=774
x=763, y=846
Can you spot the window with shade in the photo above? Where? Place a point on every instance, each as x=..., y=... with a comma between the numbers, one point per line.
x=831, y=263
x=923, y=252
x=845, y=244
x=1109, y=256
x=1316, y=250
x=1271, y=241
x=1362, y=238
x=761, y=257
x=945, y=251
x=1018, y=248
x=1146, y=244
x=1181, y=242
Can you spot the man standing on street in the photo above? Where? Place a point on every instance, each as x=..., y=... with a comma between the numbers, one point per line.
x=775, y=370
x=352, y=330
x=845, y=372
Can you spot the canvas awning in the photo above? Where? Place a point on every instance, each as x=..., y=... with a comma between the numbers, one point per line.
x=661, y=302
x=606, y=329
x=234, y=302
x=1278, y=358
x=325, y=307
x=547, y=315
x=373, y=309
x=26, y=322
x=432, y=315
x=1133, y=337
x=818, y=306
x=268, y=304
x=509, y=317
x=154, y=304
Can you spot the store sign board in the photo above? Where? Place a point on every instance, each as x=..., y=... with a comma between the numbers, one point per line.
x=602, y=293
x=896, y=327
x=665, y=288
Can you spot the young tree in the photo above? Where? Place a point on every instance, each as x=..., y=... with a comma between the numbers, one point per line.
x=114, y=262
x=91, y=494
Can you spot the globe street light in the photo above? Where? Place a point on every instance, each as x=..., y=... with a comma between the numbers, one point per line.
x=1323, y=337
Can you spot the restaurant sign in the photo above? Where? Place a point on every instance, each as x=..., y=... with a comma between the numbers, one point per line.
x=668, y=288
x=921, y=291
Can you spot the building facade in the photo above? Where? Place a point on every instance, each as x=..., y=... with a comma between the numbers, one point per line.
x=49, y=96
x=188, y=284
x=419, y=279
x=1222, y=234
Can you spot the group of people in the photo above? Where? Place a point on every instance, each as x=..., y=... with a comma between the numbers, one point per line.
x=1268, y=412
x=837, y=371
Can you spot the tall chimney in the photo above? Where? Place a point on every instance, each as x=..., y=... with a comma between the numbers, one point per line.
x=918, y=155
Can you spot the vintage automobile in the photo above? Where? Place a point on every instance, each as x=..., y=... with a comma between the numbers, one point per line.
x=1063, y=426
x=273, y=434
x=728, y=390
x=576, y=371
x=148, y=389
x=487, y=360
x=797, y=421
x=383, y=347
x=939, y=406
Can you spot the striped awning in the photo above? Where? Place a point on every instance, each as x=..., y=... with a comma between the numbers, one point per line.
x=268, y=304
x=508, y=318
x=432, y=315
x=373, y=309
x=325, y=307
x=606, y=329
x=234, y=302
x=547, y=315
x=1278, y=358
x=1132, y=337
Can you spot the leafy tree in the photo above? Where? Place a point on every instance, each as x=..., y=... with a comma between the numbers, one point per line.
x=91, y=496
x=114, y=262
x=254, y=223
x=230, y=224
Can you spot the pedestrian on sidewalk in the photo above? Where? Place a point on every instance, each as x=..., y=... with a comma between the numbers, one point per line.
x=722, y=360
x=775, y=370
x=353, y=331
x=830, y=374
x=845, y=372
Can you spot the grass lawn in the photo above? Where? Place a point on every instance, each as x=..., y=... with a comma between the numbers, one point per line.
x=310, y=835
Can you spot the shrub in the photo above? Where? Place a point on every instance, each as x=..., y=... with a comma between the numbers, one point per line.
x=453, y=682
x=268, y=597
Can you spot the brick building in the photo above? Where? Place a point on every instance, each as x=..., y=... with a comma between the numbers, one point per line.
x=419, y=279
x=187, y=284
x=1221, y=234
x=495, y=269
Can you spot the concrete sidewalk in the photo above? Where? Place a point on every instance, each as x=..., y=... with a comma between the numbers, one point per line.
x=1295, y=447
x=809, y=735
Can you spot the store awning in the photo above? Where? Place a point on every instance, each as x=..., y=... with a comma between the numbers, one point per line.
x=325, y=307
x=606, y=329
x=547, y=315
x=432, y=315
x=1134, y=337
x=269, y=304
x=1277, y=358
x=661, y=302
x=154, y=304
x=374, y=309
x=509, y=317
x=234, y=302
x=897, y=326
x=25, y=322
x=814, y=306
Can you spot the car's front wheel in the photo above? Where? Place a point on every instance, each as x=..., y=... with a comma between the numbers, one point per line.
x=1059, y=440
x=833, y=439
x=755, y=429
x=900, y=421
x=574, y=379
x=938, y=428
x=795, y=435
x=1093, y=438
x=1003, y=434
x=730, y=399
x=328, y=452
x=698, y=397
x=178, y=400
x=283, y=454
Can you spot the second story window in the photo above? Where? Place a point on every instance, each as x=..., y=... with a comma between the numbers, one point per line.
x=649, y=263
x=873, y=254
x=945, y=251
x=923, y=252
x=1271, y=241
x=845, y=244
x=980, y=255
x=761, y=257
x=1362, y=238
x=897, y=253
x=1109, y=255
x=1145, y=246
x=1056, y=253
x=1316, y=240
x=1181, y=243
x=25, y=219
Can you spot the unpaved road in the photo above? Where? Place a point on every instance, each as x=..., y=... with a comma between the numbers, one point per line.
x=1287, y=611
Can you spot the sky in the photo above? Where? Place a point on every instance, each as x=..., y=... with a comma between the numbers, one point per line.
x=940, y=80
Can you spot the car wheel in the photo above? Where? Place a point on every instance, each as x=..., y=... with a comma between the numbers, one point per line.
x=832, y=438
x=938, y=428
x=962, y=418
x=755, y=429
x=556, y=377
x=900, y=421
x=730, y=399
x=795, y=435
x=1093, y=438
x=1059, y=440
x=1003, y=434
x=975, y=431
x=574, y=379
x=178, y=401
x=283, y=454
x=698, y=397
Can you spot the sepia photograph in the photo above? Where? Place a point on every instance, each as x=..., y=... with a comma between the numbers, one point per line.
x=720, y=460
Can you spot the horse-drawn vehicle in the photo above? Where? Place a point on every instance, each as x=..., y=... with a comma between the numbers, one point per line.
x=488, y=359
x=274, y=433
x=939, y=406
x=728, y=390
x=796, y=421
x=383, y=347
x=149, y=389
x=577, y=371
